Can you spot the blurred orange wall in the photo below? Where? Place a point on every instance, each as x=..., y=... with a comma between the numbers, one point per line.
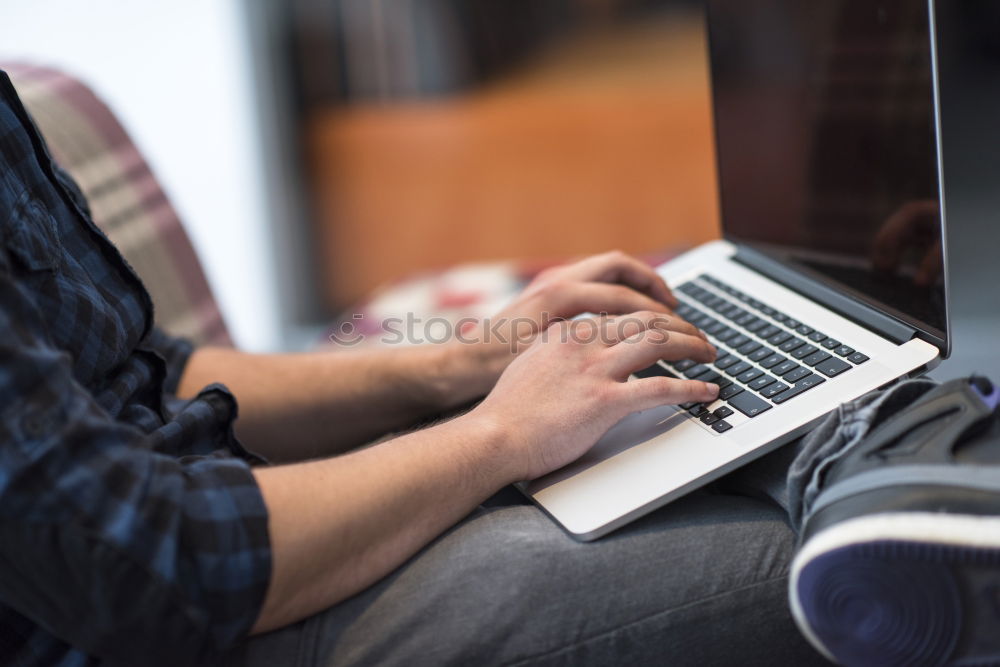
x=606, y=143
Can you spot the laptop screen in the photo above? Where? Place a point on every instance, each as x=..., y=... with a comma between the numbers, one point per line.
x=827, y=146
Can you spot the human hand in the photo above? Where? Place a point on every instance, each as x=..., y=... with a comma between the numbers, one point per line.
x=572, y=385
x=611, y=283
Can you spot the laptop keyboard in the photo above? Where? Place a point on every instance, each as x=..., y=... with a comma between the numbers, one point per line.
x=765, y=357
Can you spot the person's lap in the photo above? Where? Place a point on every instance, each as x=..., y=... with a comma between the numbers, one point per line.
x=701, y=581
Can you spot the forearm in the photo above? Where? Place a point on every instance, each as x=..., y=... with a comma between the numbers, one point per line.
x=300, y=406
x=338, y=526
x=306, y=406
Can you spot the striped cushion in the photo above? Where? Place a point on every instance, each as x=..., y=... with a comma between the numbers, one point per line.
x=125, y=199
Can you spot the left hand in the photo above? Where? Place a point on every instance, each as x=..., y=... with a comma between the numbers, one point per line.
x=612, y=283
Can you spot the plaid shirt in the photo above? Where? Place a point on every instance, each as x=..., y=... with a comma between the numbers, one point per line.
x=131, y=528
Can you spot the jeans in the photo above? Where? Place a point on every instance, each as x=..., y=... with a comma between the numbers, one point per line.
x=702, y=581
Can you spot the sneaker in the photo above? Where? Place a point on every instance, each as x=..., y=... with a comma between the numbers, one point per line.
x=900, y=555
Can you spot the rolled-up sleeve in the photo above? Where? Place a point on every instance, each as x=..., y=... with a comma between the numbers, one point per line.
x=175, y=353
x=116, y=549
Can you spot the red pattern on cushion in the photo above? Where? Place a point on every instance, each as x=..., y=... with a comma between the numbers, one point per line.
x=470, y=291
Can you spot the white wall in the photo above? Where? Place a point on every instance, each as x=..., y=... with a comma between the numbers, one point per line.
x=178, y=75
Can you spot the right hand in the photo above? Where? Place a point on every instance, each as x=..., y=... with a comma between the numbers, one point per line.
x=557, y=399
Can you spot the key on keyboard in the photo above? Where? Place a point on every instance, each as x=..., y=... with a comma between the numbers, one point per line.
x=755, y=335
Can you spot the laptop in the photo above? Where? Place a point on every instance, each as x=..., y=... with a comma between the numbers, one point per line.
x=830, y=279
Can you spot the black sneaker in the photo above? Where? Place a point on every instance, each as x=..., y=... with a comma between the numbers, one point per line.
x=900, y=558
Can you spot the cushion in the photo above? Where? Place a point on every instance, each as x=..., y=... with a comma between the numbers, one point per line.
x=125, y=199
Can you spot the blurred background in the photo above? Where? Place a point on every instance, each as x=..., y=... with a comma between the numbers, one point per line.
x=320, y=149
x=442, y=131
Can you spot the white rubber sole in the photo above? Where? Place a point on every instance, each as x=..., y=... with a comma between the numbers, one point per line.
x=890, y=543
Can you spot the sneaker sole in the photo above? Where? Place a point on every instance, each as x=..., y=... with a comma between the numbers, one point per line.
x=902, y=588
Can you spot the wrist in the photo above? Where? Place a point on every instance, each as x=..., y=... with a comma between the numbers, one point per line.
x=492, y=455
x=466, y=372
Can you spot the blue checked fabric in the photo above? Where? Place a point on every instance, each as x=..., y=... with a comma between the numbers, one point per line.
x=131, y=528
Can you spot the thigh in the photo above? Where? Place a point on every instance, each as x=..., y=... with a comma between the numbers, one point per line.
x=702, y=581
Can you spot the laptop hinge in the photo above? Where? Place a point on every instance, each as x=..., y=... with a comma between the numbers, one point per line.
x=857, y=312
